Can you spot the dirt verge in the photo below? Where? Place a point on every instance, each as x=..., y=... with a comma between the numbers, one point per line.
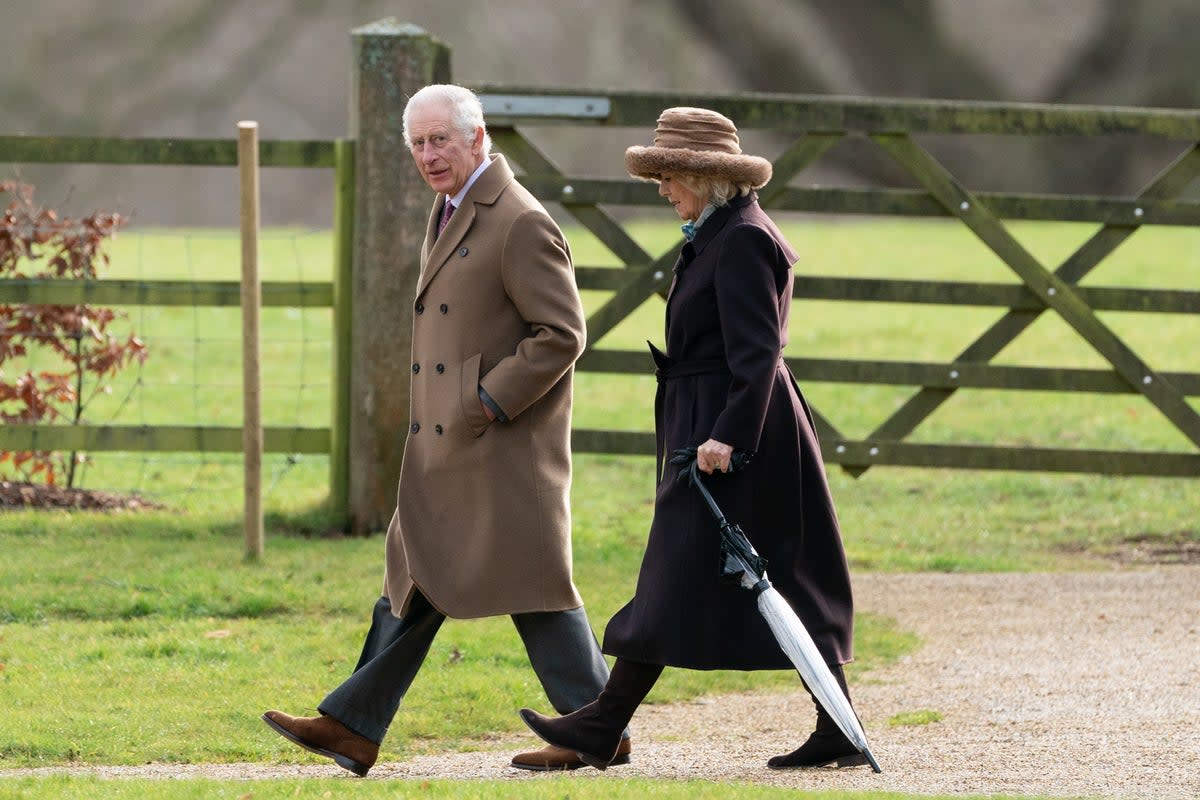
x=17, y=495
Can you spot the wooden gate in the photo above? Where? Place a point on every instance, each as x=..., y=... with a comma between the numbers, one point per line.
x=815, y=125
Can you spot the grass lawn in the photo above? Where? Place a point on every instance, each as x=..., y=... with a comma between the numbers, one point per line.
x=126, y=638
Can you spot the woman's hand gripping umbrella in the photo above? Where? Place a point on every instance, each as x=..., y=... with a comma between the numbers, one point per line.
x=742, y=565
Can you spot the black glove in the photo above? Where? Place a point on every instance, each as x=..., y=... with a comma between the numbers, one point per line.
x=684, y=458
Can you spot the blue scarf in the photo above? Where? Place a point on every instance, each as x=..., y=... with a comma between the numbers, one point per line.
x=689, y=228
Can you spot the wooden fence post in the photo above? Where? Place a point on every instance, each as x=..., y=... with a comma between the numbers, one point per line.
x=343, y=316
x=391, y=61
x=252, y=429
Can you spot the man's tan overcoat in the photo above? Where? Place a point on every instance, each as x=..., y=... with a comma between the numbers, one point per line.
x=482, y=523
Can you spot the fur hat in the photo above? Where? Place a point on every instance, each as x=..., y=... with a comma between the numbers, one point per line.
x=697, y=141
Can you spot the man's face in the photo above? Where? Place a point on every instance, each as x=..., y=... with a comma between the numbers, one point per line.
x=444, y=159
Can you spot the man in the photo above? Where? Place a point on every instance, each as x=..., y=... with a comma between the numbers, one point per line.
x=482, y=524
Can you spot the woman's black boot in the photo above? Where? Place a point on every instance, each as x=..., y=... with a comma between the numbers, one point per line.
x=827, y=744
x=594, y=731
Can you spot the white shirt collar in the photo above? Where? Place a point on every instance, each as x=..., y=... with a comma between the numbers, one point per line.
x=457, y=199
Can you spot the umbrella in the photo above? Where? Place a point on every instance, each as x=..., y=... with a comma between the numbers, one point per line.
x=743, y=566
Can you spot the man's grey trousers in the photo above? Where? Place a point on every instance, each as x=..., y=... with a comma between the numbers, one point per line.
x=561, y=646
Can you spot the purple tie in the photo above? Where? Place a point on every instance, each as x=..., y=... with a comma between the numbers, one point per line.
x=447, y=212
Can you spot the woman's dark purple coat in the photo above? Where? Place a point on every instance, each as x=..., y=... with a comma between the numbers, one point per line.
x=729, y=305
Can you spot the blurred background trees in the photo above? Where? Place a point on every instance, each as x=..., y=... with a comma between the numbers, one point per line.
x=194, y=67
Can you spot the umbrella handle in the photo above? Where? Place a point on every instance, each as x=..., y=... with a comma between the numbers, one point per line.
x=694, y=473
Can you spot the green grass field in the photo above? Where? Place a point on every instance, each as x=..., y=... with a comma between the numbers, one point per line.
x=127, y=638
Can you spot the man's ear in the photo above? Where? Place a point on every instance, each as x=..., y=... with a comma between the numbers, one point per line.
x=478, y=143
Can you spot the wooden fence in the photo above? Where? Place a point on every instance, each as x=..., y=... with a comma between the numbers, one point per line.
x=336, y=155
x=815, y=125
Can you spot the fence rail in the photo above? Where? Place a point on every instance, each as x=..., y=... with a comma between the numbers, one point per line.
x=295, y=294
x=160, y=438
x=161, y=151
x=507, y=105
x=894, y=202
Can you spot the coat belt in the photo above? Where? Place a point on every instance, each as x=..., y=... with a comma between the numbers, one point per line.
x=667, y=369
x=686, y=369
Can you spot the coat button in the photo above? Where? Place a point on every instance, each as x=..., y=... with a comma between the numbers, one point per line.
x=445, y=308
x=440, y=368
x=463, y=252
x=438, y=428
x=416, y=368
x=419, y=308
x=414, y=427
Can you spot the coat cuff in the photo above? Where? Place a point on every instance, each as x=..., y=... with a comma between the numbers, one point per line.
x=487, y=400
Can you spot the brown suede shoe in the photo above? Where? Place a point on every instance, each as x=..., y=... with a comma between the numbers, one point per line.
x=326, y=736
x=551, y=758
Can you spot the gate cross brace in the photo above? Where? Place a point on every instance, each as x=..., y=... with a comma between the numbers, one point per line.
x=1053, y=289
x=1171, y=182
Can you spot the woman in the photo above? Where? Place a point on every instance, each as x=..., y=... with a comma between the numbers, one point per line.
x=723, y=388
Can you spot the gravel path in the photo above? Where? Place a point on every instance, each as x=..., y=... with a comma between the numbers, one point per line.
x=1066, y=685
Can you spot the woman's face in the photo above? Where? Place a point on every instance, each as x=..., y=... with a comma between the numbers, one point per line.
x=687, y=203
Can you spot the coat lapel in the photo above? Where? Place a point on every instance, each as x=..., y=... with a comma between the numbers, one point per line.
x=691, y=250
x=437, y=251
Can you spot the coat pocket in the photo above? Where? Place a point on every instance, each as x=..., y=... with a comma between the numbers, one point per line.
x=472, y=409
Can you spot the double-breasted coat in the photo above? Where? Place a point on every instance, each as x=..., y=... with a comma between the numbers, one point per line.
x=482, y=523
x=723, y=377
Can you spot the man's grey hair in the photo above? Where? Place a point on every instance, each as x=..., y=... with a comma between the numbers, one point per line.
x=466, y=112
